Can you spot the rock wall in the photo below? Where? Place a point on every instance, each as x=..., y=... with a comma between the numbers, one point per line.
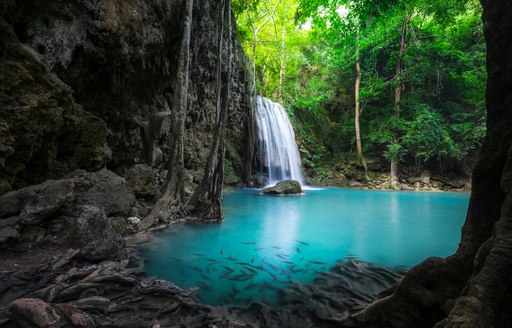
x=88, y=84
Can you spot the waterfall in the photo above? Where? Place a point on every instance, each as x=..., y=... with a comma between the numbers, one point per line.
x=278, y=153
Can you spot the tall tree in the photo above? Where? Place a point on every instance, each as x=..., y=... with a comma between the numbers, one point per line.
x=357, y=110
x=170, y=201
x=398, y=97
x=258, y=20
x=206, y=201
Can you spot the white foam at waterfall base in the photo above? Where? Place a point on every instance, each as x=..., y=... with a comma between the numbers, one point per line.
x=278, y=152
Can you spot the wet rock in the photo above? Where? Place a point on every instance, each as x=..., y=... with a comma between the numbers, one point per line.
x=141, y=178
x=285, y=187
x=30, y=312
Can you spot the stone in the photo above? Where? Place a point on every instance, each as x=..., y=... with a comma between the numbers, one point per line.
x=285, y=187
x=8, y=233
x=77, y=317
x=355, y=184
x=108, y=191
x=133, y=220
x=425, y=177
x=93, y=234
x=42, y=205
x=34, y=312
x=141, y=178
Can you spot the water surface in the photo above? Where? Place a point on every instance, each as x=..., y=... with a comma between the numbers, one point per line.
x=266, y=242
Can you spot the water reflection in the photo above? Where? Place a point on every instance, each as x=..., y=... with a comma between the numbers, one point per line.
x=266, y=242
x=280, y=225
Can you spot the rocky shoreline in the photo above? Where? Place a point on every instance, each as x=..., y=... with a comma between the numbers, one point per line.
x=423, y=181
x=70, y=258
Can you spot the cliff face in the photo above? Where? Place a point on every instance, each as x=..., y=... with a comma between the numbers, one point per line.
x=88, y=84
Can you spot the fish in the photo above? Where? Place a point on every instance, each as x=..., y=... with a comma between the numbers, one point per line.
x=274, y=277
x=250, y=286
x=251, y=270
x=273, y=266
x=204, y=286
x=225, y=274
x=288, y=262
x=206, y=277
x=259, y=248
x=234, y=290
x=298, y=250
x=293, y=270
x=198, y=254
x=302, y=258
x=246, y=265
x=283, y=256
x=198, y=269
x=261, y=267
x=266, y=285
x=248, y=242
x=276, y=247
x=302, y=242
x=316, y=262
x=252, y=260
x=230, y=258
x=222, y=251
x=176, y=259
x=211, y=260
x=241, y=277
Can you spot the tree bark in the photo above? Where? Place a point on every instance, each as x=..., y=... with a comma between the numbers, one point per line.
x=473, y=287
x=282, y=66
x=170, y=203
x=206, y=200
x=357, y=113
x=393, y=176
x=255, y=31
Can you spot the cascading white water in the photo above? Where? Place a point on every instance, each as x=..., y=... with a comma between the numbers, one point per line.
x=278, y=153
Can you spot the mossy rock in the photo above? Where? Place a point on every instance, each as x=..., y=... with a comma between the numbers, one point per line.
x=285, y=187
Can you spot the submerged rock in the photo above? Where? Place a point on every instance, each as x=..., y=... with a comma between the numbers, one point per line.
x=285, y=187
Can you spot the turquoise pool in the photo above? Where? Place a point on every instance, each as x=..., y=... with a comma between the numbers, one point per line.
x=267, y=242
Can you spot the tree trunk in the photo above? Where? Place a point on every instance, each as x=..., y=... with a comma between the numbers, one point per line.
x=218, y=185
x=393, y=176
x=282, y=66
x=357, y=114
x=213, y=178
x=169, y=204
x=393, y=173
x=473, y=287
x=255, y=31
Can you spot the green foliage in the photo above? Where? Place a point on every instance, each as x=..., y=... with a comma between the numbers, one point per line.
x=442, y=82
x=427, y=135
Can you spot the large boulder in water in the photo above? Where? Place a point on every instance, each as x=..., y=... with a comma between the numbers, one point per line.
x=285, y=187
